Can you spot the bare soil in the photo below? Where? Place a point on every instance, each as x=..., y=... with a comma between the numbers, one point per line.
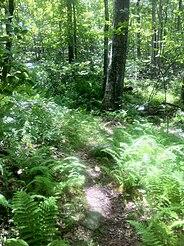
x=106, y=212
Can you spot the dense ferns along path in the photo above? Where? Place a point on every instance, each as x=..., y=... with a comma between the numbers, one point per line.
x=106, y=215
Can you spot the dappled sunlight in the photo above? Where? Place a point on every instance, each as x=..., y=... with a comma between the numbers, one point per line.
x=98, y=200
x=91, y=123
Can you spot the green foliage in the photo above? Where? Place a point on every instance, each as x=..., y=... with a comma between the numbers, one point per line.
x=20, y=242
x=34, y=121
x=75, y=85
x=5, y=107
x=15, y=242
x=147, y=235
x=4, y=202
x=71, y=171
x=159, y=230
x=36, y=221
x=58, y=243
x=149, y=167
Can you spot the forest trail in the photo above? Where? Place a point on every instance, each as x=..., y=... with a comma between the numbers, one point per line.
x=106, y=214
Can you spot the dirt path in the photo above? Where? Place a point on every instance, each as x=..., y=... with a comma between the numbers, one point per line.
x=106, y=214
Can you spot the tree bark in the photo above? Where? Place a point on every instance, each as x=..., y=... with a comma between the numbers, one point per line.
x=75, y=30
x=138, y=33
x=116, y=73
x=106, y=40
x=154, y=40
x=160, y=29
x=179, y=16
x=70, y=32
x=182, y=90
x=8, y=55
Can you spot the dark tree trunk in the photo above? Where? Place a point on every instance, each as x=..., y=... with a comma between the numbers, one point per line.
x=179, y=16
x=138, y=33
x=116, y=73
x=106, y=40
x=182, y=90
x=70, y=32
x=8, y=56
x=154, y=40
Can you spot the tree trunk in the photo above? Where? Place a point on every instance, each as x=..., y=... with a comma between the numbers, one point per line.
x=115, y=79
x=160, y=29
x=154, y=40
x=182, y=90
x=75, y=30
x=70, y=32
x=8, y=55
x=106, y=40
x=138, y=33
x=179, y=16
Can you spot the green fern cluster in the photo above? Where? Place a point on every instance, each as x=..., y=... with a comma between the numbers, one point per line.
x=36, y=221
x=153, y=170
x=158, y=231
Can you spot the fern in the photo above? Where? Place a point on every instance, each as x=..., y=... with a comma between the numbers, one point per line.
x=147, y=235
x=35, y=221
x=70, y=173
x=15, y=242
x=4, y=202
x=58, y=243
x=160, y=229
x=20, y=242
x=41, y=185
x=48, y=215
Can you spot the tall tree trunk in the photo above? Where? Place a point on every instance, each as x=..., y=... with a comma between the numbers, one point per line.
x=138, y=33
x=116, y=73
x=165, y=19
x=106, y=40
x=70, y=32
x=75, y=31
x=182, y=90
x=154, y=40
x=179, y=16
x=160, y=28
x=8, y=56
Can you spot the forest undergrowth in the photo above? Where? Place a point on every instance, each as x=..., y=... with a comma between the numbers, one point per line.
x=43, y=178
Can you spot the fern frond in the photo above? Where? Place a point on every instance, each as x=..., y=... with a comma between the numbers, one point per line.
x=58, y=243
x=15, y=242
x=177, y=224
x=41, y=185
x=36, y=221
x=1, y=169
x=146, y=234
x=4, y=202
x=40, y=170
x=47, y=217
x=26, y=217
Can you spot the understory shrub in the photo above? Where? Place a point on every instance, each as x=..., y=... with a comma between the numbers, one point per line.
x=76, y=85
x=35, y=121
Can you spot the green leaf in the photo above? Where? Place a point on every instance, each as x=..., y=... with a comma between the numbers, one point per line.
x=4, y=39
x=3, y=201
x=15, y=242
x=58, y=243
x=178, y=223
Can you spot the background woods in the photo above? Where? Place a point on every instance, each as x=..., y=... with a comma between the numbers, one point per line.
x=56, y=33
x=91, y=98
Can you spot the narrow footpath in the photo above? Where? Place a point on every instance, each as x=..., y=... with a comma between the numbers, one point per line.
x=105, y=222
